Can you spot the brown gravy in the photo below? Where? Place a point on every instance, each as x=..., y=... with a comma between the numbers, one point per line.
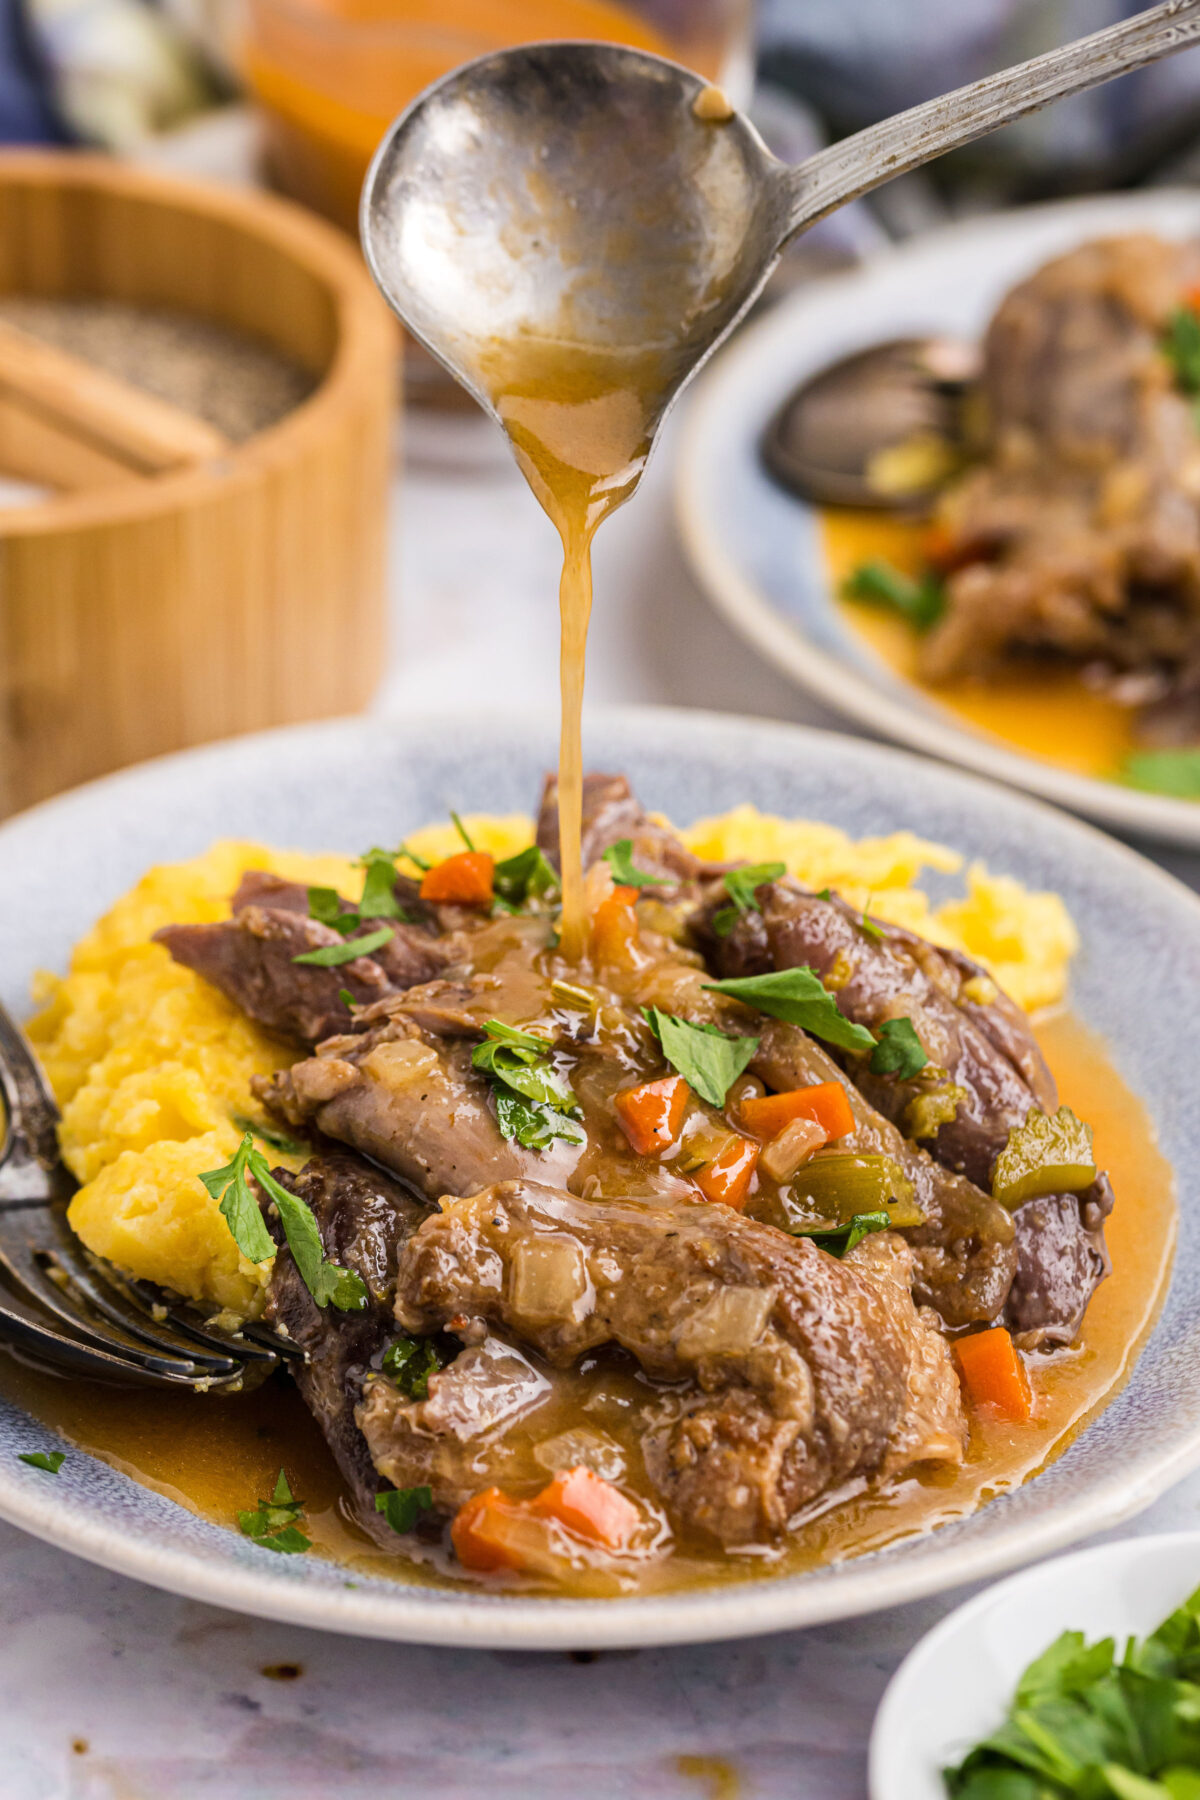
x=580, y=423
x=215, y=1456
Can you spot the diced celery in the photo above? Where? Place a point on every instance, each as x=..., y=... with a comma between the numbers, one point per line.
x=927, y=1113
x=1044, y=1155
x=844, y=1183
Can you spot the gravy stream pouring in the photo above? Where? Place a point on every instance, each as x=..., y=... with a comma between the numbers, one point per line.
x=572, y=229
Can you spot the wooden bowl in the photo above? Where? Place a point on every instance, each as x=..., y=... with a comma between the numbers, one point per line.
x=241, y=593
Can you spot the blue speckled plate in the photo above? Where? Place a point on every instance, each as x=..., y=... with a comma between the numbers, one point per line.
x=340, y=786
x=755, y=548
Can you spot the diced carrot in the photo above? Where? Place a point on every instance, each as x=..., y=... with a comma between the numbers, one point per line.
x=1192, y=298
x=940, y=547
x=590, y=1507
x=825, y=1104
x=463, y=880
x=614, y=926
x=495, y=1531
x=728, y=1176
x=651, y=1115
x=993, y=1372
x=477, y=1531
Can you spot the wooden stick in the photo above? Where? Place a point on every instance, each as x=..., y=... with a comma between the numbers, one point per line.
x=122, y=423
x=36, y=447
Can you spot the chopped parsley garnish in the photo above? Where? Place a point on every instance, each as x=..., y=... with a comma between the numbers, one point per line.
x=378, y=899
x=1174, y=772
x=418, y=862
x=1084, y=1723
x=839, y=1240
x=619, y=858
x=709, y=1061
x=462, y=831
x=825, y=894
x=532, y=1104
x=742, y=886
x=533, y=1127
x=347, y=999
x=870, y=927
x=524, y=877
x=798, y=997
x=268, y=1135
x=326, y=1281
x=402, y=1507
x=1181, y=347
x=273, y=1523
x=50, y=1460
x=899, y=1051
x=328, y=908
x=921, y=602
x=379, y=887
x=409, y=1362
x=239, y=1203
x=331, y=956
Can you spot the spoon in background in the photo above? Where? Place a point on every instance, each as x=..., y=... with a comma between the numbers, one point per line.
x=602, y=216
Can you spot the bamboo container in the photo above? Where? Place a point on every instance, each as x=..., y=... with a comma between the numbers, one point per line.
x=238, y=592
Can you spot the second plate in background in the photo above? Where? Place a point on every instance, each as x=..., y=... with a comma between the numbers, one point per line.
x=760, y=553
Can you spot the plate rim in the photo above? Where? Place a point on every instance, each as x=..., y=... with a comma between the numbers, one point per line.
x=427, y=1615
x=836, y=684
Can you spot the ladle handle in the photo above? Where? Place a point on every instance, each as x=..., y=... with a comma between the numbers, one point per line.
x=906, y=141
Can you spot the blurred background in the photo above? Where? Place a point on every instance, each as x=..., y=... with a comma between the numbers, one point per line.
x=344, y=537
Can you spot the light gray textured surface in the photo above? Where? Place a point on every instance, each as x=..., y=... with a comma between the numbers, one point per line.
x=167, y=1695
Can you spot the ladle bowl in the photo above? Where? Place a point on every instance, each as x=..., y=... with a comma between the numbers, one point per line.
x=601, y=201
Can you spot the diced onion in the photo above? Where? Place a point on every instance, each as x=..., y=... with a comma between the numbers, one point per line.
x=731, y=1321
x=323, y=1078
x=550, y=1281
x=593, y=1450
x=793, y=1146
x=400, y=1062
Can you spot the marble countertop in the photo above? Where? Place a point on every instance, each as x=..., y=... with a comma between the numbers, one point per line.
x=111, y=1691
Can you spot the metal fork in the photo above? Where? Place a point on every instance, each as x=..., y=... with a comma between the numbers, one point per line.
x=62, y=1307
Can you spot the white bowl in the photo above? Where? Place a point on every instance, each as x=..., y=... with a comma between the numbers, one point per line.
x=956, y=1685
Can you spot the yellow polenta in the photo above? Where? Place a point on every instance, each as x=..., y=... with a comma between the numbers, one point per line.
x=152, y=1067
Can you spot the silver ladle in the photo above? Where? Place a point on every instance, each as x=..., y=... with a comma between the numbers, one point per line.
x=591, y=196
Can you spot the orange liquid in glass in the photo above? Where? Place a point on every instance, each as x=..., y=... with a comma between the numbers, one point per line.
x=331, y=75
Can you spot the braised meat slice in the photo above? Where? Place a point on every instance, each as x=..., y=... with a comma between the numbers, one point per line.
x=612, y=812
x=984, y=1066
x=799, y=1368
x=364, y=1217
x=1079, y=535
x=251, y=959
x=1061, y=1260
x=965, y=1256
x=986, y=1061
x=413, y=1102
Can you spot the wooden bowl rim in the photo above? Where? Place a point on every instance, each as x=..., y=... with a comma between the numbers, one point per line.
x=366, y=342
